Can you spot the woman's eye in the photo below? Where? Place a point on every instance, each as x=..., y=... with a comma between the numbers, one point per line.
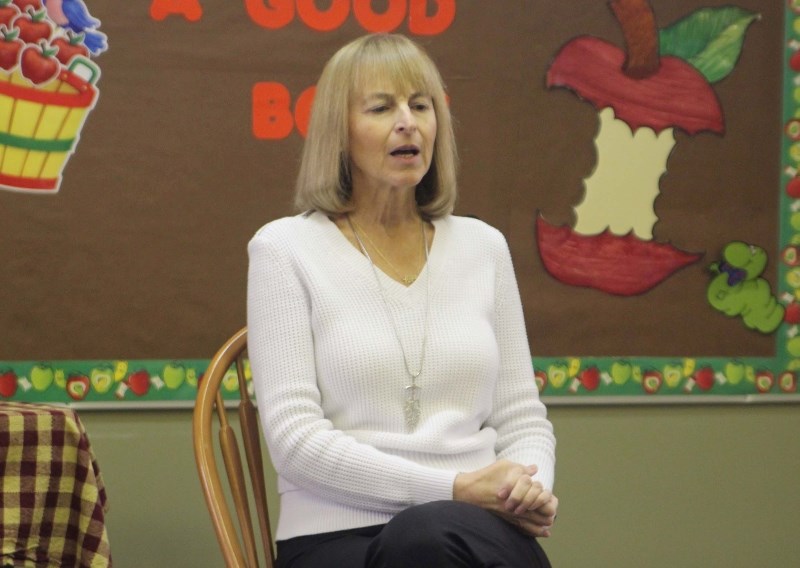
x=379, y=109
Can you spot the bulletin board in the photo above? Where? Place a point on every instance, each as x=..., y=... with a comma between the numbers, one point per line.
x=641, y=161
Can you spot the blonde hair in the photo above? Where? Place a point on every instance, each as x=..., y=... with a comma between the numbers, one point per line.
x=323, y=183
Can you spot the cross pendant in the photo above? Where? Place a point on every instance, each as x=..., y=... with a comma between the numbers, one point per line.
x=411, y=407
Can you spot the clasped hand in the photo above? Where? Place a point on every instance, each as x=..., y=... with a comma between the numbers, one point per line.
x=507, y=489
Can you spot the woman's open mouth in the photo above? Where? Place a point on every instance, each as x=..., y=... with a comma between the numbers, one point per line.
x=405, y=152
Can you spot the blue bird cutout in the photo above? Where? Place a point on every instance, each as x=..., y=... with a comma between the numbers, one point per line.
x=73, y=15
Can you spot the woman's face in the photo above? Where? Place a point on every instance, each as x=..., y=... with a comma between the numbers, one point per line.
x=392, y=134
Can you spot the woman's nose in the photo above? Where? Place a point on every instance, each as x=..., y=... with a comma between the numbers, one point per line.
x=405, y=119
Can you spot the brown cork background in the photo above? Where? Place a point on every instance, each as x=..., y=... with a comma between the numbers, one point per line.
x=142, y=253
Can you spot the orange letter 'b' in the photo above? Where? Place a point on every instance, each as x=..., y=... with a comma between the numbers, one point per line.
x=272, y=114
x=420, y=23
x=191, y=9
x=270, y=17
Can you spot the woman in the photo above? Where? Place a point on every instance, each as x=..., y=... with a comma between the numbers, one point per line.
x=388, y=344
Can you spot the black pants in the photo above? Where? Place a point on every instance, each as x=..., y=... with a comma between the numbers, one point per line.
x=441, y=534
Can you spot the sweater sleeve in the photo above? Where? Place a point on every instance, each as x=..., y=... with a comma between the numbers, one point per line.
x=305, y=448
x=524, y=434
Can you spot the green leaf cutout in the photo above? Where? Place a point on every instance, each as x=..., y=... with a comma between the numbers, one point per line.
x=710, y=39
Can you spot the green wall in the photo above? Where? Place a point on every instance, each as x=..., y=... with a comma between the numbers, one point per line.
x=711, y=486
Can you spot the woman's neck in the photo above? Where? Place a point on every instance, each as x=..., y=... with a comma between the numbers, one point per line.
x=390, y=209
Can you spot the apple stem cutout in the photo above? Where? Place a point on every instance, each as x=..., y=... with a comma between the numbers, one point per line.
x=641, y=95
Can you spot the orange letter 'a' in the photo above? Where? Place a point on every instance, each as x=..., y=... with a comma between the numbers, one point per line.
x=190, y=9
x=274, y=16
x=385, y=22
x=420, y=23
x=272, y=115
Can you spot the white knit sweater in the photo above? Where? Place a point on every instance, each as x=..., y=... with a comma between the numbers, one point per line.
x=330, y=378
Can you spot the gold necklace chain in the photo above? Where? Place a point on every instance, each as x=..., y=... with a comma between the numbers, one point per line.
x=411, y=407
x=409, y=279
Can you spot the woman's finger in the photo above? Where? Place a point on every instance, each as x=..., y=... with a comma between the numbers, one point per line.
x=535, y=497
x=519, y=494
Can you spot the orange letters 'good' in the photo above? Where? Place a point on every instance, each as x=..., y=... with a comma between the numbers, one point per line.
x=276, y=14
x=323, y=20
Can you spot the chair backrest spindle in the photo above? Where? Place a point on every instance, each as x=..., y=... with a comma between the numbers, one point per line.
x=239, y=548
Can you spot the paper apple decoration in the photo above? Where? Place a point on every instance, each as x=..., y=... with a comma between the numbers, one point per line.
x=791, y=255
x=621, y=372
x=734, y=372
x=173, y=374
x=652, y=381
x=792, y=313
x=230, y=381
x=8, y=11
x=765, y=380
x=641, y=98
x=102, y=378
x=557, y=375
x=793, y=188
x=703, y=379
x=42, y=376
x=541, y=379
x=787, y=381
x=24, y=4
x=10, y=48
x=673, y=375
x=33, y=26
x=8, y=383
x=78, y=386
x=191, y=377
x=589, y=378
x=38, y=63
x=139, y=382
x=69, y=47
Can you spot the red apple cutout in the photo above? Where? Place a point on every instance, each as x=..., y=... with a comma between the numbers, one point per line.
x=624, y=266
x=10, y=48
x=589, y=378
x=765, y=380
x=791, y=255
x=38, y=64
x=8, y=383
x=25, y=4
x=33, y=26
x=792, y=313
x=674, y=95
x=794, y=61
x=652, y=381
x=69, y=47
x=644, y=90
x=793, y=188
x=541, y=379
x=703, y=378
x=78, y=386
x=139, y=382
x=8, y=12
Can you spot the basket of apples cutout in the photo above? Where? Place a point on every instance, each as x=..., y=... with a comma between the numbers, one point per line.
x=47, y=88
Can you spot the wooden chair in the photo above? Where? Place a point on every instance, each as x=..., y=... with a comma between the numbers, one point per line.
x=239, y=547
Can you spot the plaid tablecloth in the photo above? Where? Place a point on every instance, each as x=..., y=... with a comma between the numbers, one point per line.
x=52, y=498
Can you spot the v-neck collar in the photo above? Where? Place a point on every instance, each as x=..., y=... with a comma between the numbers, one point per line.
x=393, y=289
